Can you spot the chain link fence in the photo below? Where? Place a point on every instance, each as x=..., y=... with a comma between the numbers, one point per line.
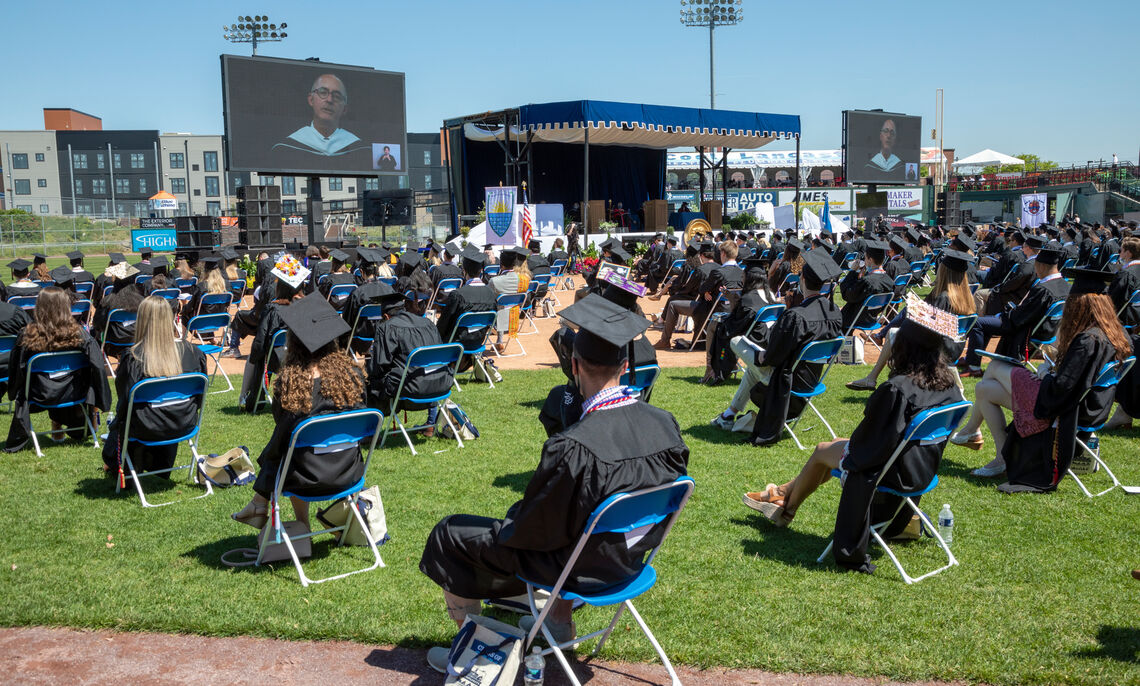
x=23, y=234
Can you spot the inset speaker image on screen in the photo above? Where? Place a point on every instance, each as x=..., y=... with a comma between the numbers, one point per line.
x=312, y=118
x=882, y=147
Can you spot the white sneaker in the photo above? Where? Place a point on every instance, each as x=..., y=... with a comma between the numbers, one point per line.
x=721, y=422
x=437, y=659
x=989, y=471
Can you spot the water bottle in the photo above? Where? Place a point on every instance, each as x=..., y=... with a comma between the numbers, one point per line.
x=946, y=524
x=534, y=667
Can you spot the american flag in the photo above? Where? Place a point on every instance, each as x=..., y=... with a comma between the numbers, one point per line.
x=526, y=224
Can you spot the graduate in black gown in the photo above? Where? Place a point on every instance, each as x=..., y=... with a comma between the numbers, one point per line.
x=339, y=275
x=154, y=354
x=22, y=284
x=125, y=295
x=1037, y=447
x=1123, y=285
x=12, y=322
x=395, y=337
x=472, y=296
x=619, y=445
x=213, y=283
x=54, y=330
x=860, y=284
x=721, y=360
x=300, y=393
x=288, y=283
x=920, y=379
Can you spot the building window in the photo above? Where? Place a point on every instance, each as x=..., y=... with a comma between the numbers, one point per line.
x=182, y=209
x=288, y=206
x=79, y=160
x=142, y=185
x=117, y=160
x=138, y=160
x=266, y=180
x=336, y=205
x=79, y=186
x=336, y=183
x=372, y=184
x=24, y=208
x=288, y=185
x=44, y=209
x=122, y=186
x=213, y=208
x=41, y=183
x=197, y=192
x=23, y=186
x=427, y=181
x=427, y=158
x=40, y=158
x=100, y=161
x=98, y=186
x=20, y=160
x=177, y=160
x=83, y=208
x=177, y=185
x=212, y=190
x=210, y=161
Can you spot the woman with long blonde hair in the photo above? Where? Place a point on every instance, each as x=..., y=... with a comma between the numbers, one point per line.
x=53, y=329
x=213, y=282
x=317, y=378
x=154, y=354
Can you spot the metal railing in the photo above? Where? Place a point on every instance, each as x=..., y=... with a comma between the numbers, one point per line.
x=23, y=234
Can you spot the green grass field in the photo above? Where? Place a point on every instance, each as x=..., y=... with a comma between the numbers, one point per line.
x=1042, y=594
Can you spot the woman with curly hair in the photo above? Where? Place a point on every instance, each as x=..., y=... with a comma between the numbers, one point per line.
x=920, y=379
x=1037, y=447
x=53, y=329
x=318, y=378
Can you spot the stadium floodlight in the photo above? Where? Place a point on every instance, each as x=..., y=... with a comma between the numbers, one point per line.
x=255, y=29
x=712, y=13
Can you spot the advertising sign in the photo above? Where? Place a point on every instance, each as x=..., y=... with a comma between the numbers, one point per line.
x=159, y=240
x=156, y=222
x=839, y=199
x=904, y=200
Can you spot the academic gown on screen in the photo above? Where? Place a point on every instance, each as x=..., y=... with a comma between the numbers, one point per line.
x=886, y=415
x=1039, y=461
x=395, y=339
x=609, y=451
x=856, y=289
x=151, y=423
x=815, y=319
x=88, y=385
x=311, y=473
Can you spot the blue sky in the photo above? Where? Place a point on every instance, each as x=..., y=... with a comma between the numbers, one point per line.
x=1044, y=77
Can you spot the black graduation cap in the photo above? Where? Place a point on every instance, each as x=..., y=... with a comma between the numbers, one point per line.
x=692, y=247
x=412, y=246
x=964, y=242
x=958, y=261
x=159, y=262
x=898, y=244
x=339, y=255
x=1050, y=254
x=228, y=253
x=609, y=244
x=62, y=276
x=314, y=322
x=75, y=256
x=212, y=263
x=411, y=258
x=968, y=230
x=795, y=244
x=1036, y=242
x=38, y=257
x=821, y=266
x=875, y=249
x=145, y=252
x=534, y=245
x=913, y=235
x=825, y=243
x=604, y=329
x=19, y=265
x=756, y=262
x=671, y=240
x=1088, y=280
x=116, y=257
x=473, y=259
x=620, y=255
x=519, y=253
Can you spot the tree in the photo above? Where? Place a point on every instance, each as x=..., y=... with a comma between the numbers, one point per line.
x=1032, y=163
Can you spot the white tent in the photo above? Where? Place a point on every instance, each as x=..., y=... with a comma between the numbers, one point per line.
x=988, y=157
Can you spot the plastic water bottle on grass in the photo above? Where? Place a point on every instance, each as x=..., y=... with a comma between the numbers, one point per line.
x=533, y=667
x=946, y=524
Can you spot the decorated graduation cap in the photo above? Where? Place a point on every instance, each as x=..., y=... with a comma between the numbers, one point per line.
x=821, y=266
x=62, y=276
x=926, y=325
x=75, y=256
x=875, y=249
x=121, y=271
x=314, y=322
x=19, y=265
x=288, y=269
x=1088, y=280
x=958, y=261
x=116, y=258
x=605, y=329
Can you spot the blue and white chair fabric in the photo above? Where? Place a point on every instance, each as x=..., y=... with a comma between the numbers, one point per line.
x=1037, y=341
x=126, y=321
x=424, y=362
x=1109, y=377
x=264, y=387
x=339, y=295
x=816, y=352
x=363, y=327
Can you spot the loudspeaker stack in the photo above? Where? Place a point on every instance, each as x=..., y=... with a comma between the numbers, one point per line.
x=259, y=216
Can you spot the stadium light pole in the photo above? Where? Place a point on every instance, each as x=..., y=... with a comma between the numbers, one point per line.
x=255, y=29
x=712, y=13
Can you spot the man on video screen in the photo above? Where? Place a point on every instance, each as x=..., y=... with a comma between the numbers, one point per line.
x=323, y=136
x=885, y=160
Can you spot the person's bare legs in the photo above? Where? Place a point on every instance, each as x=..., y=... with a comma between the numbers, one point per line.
x=301, y=511
x=993, y=393
x=816, y=471
x=872, y=378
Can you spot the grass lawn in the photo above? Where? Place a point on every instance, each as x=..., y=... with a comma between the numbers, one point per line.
x=1042, y=594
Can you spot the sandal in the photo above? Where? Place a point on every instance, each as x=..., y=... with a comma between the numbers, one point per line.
x=973, y=441
x=861, y=385
x=253, y=515
x=760, y=499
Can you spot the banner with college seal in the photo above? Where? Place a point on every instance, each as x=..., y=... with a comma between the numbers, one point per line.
x=500, y=204
x=1034, y=208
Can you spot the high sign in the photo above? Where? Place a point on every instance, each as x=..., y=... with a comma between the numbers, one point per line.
x=155, y=239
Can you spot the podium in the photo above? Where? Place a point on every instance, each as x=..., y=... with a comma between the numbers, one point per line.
x=656, y=215
x=597, y=212
x=712, y=210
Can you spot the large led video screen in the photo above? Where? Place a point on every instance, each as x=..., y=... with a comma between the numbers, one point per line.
x=312, y=118
x=882, y=147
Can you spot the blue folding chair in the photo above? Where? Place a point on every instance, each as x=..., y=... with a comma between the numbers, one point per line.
x=545, y=288
x=167, y=293
x=326, y=432
x=507, y=301
x=490, y=270
x=816, y=352
x=471, y=323
x=26, y=303
x=441, y=290
x=7, y=345
x=339, y=295
x=425, y=360
x=1052, y=315
x=44, y=284
x=84, y=289
x=56, y=365
x=107, y=290
x=898, y=296
x=143, y=278
x=389, y=280
x=1108, y=377
x=81, y=310
x=219, y=302
x=219, y=326
x=643, y=379
x=928, y=427
x=237, y=287
x=874, y=304
x=767, y=315
x=322, y=278
x=560, y=277
x=125, y=319
x=629, y=514
x=186, y=285
x=790, y=282
x=965, y=323
x=185, y=395
x=1132, y=303
x=526, y=311
x=366, y=318
x=264, y=392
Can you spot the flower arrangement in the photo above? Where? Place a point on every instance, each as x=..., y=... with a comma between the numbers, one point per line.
x=590, y=262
